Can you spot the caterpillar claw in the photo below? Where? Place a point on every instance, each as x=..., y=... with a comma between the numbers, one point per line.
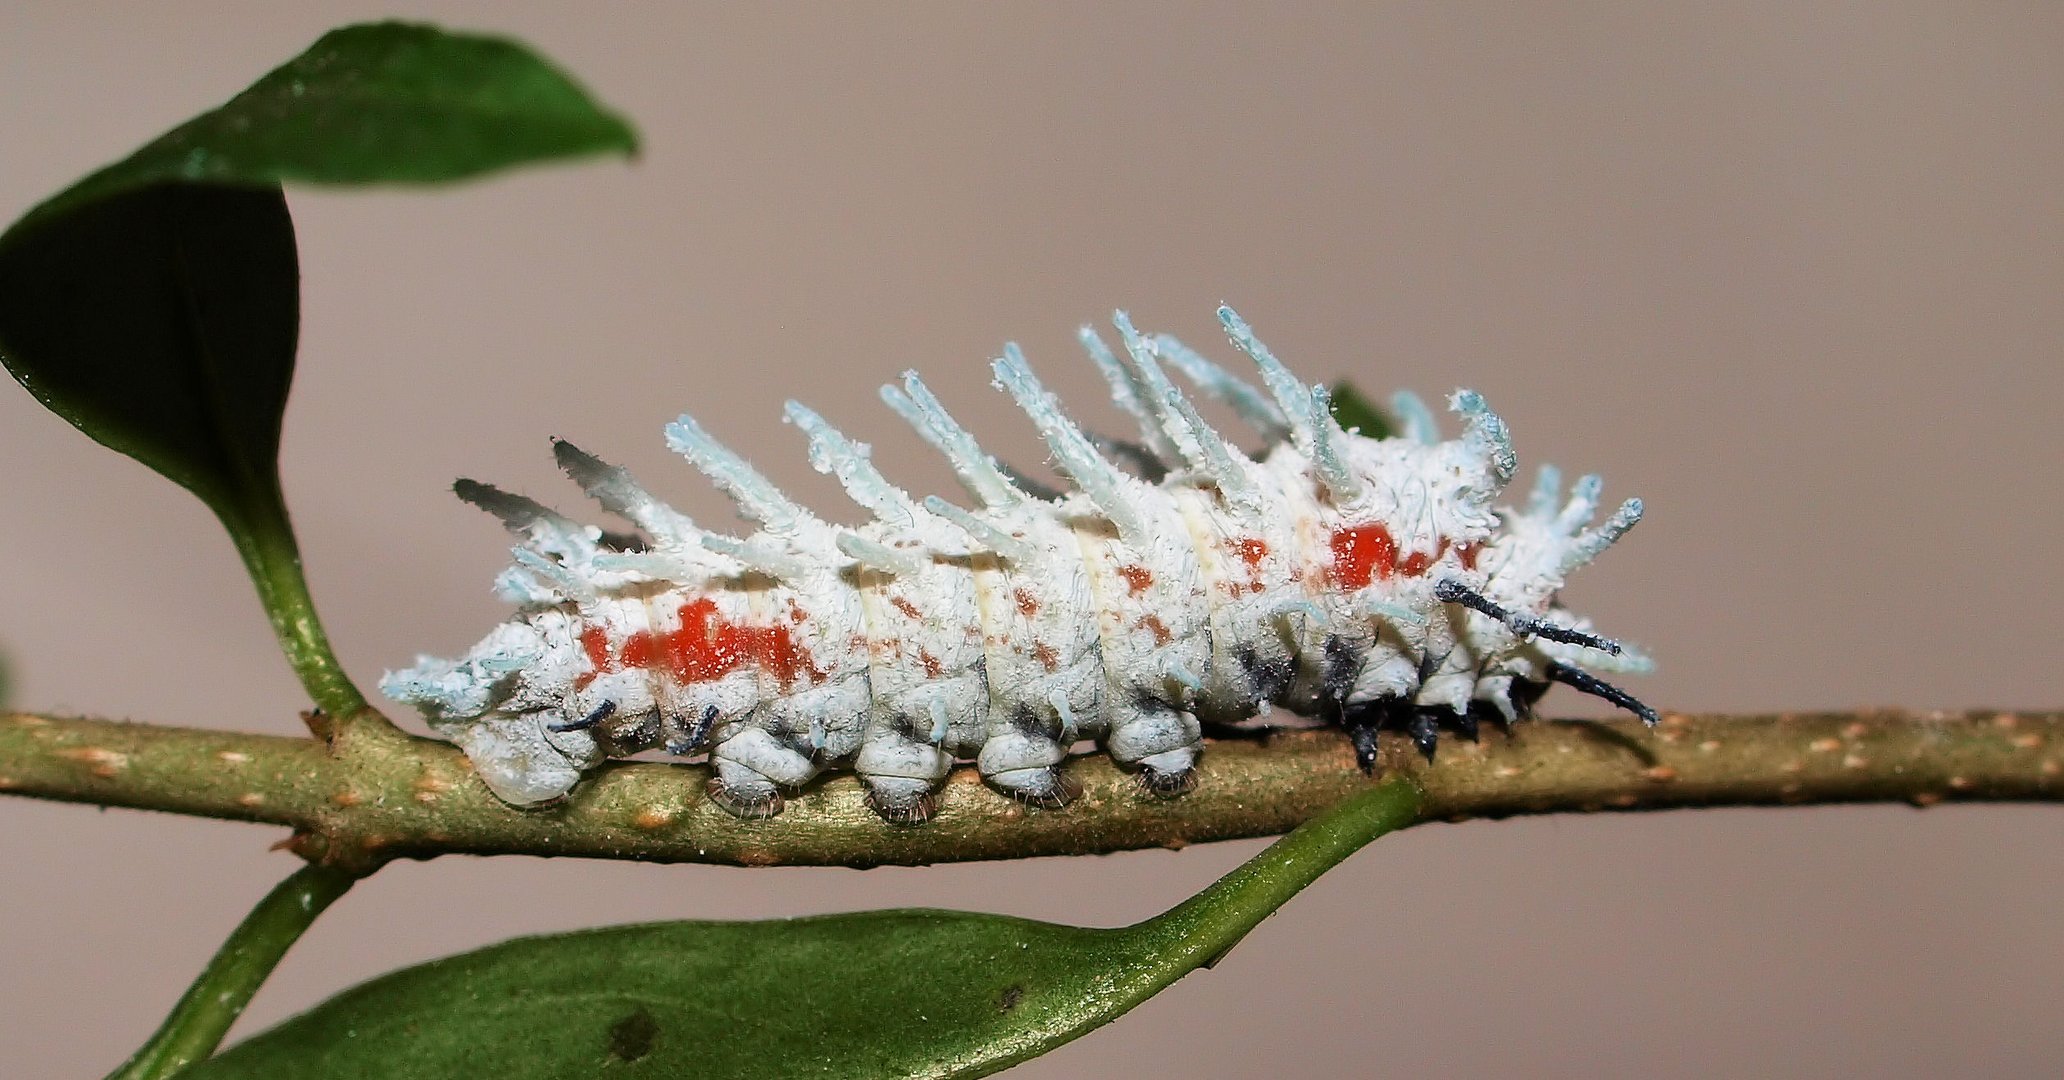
x=600, y=713
x=1166, y=783
x=1363, y=738
x=900, y=807
x=754, y=803
x=634, y=734
x=1047, y=787
x=1424, y=728
x=682, y=741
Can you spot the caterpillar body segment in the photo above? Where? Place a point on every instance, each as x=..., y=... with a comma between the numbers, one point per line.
x=1181, y=583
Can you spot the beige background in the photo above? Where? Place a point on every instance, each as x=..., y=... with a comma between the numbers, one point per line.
x=1789, y=271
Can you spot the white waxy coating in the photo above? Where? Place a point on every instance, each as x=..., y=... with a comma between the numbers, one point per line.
x=1126, y=611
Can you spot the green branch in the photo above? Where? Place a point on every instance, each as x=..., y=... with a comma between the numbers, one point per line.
x=380, y=795
x=265, y=540
x=1133, y=963
x=215, y=1000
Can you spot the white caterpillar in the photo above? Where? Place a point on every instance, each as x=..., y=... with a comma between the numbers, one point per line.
x=1366, y=581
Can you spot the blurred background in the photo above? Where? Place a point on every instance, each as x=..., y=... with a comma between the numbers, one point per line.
x=1789, y=271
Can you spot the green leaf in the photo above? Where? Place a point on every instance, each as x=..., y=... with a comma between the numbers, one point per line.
x=155, y=304
x=161, y=321
x=1353, y=411
x=883, y=993
x=376, y=103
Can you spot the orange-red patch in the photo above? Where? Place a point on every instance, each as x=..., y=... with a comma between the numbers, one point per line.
x=705, y=648
x=595, y=642
x=1137, y=578
x=908, y=609
x=1419, y=562
x=1361, y=554
x=1047, y=657
x=1365, y=553
x=1028, y=604
x=1152, y=624
x=1251, y=551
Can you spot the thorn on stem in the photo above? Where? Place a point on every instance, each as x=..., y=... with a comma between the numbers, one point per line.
x=320, y=724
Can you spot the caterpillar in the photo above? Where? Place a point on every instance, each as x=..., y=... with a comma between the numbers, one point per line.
x=1180, y=584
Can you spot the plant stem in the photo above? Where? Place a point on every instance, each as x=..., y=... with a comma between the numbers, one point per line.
x=265, y=538
x=215, y=1000
x=1209, y=924
x=1143, y=959
x=374, y=799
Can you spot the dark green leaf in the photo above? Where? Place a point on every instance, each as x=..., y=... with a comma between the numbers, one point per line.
x=377, y=103
x=875, y=994
x=1354, y=412
x=155, y=304
x=161, y=321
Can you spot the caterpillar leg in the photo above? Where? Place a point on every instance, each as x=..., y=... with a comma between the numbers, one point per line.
x=902, y=800
x=1023, y=761
x=523, y=759
x=685, y=734
x=745, y=794
x=619, y=732
x=1044, y=786
x=1162, y=742
x=1501, y=699
x=901, y=768
x=1420, y=723
x=595, y=716
x=752, y=766
x=1423, y=725
x=1362, y=721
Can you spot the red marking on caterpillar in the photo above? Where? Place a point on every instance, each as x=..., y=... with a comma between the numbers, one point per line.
x=1419, y=562
x=1361, y=554
x=595, y=642
x=1371, y=582
x=706, y=647
x=1366, y=553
